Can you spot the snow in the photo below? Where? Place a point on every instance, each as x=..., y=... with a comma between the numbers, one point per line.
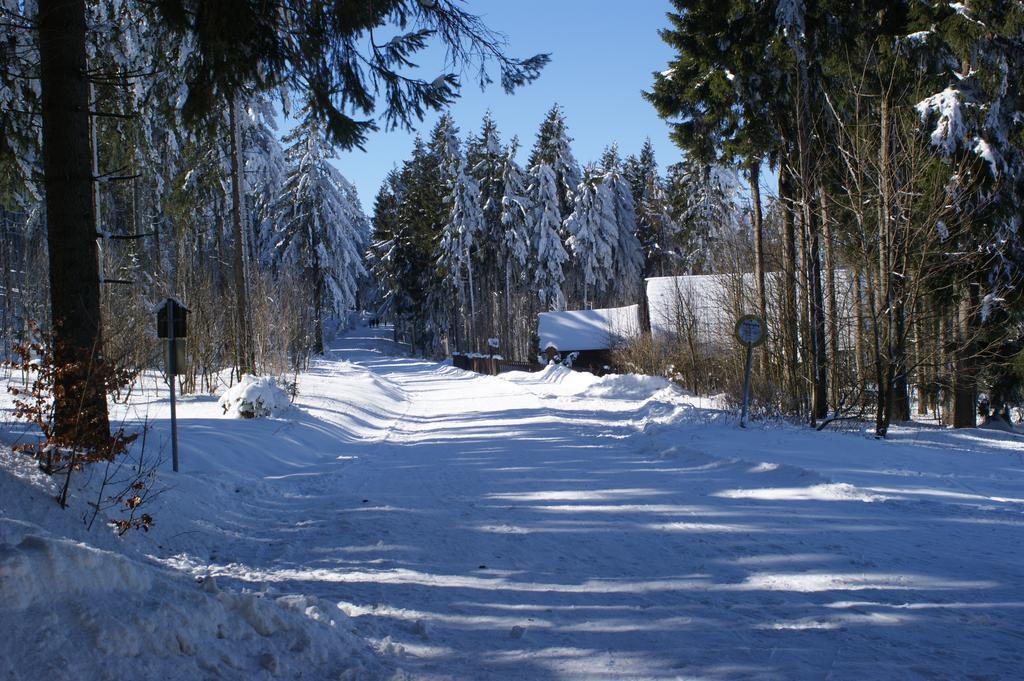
x=918, y=37
x=254, y=397
x=708, y=305
x=159, y=307
x=81, y=612
x=554, y=525
x=949, y=125
x=587, y=329
x=985, y=151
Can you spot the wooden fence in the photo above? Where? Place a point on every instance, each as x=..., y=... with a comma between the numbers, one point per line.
x=491, y=366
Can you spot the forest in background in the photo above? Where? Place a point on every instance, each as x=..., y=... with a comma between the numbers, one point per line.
x=895, y=133
x=894, y=130
x=255, y=231
x=469, y=246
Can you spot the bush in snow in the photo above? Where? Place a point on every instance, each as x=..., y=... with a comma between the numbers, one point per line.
x=66, y=442
x=254, y=397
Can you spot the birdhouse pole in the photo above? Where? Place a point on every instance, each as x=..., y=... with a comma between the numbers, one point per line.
x=172, y=357
x=171, y=323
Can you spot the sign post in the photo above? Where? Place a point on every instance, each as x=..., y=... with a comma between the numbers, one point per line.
x=749, y=332
x=172, y=324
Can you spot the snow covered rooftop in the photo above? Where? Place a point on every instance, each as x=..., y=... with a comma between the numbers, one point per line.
x=709, y=302
x=708, y=305
x=587, y=329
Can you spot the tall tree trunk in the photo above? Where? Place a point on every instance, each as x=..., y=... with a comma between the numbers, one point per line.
x=808, y=172
x=922, y=361
x=245, y=359
x=819, y=398
x=80, y=411
x=878, y=355
x=806, y=328
x=890, y=256
x=815, y=298
x=885, y=288
x=832, y=308
x=473, y=332
x=965, y=389
x=755, y=199
x=318, y=310
x=858, y=331
x=790, y=302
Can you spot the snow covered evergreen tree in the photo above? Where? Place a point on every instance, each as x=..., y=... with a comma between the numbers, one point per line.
x=265, y=168
x=322, y=230
x=409, y=215
x=628, y=258
x=593, y=235
x=484, y=157
x=702, y=199
x=655, y=229
x=548, y=257
x=517, y=211
x=457, y=249
x=553, y=148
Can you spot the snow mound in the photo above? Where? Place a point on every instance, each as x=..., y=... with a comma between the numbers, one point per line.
x=558, y=380
x=628, y=387
x=254, y=397
x=37, y=568
x=73, y=611
x=554, y=379
x=824, y=492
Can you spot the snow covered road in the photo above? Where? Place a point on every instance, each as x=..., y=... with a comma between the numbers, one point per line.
x=559, y=526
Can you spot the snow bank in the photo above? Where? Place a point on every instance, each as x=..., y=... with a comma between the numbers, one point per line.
x=628, y=387
x=554, y=379
x=72, y=611
x=254, y=397
x=558, y=380
x=821, y=492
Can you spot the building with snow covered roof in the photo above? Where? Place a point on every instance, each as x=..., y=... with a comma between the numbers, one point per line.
x=589, y=334
x=700, y=309
x=704, y=308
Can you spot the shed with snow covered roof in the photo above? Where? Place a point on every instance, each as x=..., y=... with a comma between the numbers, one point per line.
x=590, y=334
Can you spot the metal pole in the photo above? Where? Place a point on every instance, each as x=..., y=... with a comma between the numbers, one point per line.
x=172, y=359
x=746, y=385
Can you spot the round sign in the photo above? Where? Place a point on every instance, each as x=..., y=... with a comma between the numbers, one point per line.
x=750, y=330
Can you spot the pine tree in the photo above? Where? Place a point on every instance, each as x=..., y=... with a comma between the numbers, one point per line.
x=702, y=199
x=266, y=170
x=387, y=260
x=553, y=148
x=321, y=231
x=421, y=214
x=548, y=256
x=655, y=229
x=517, y=211
x=744, y=87
x=484, y=158
x=236, y=47
x=458, y=245
x=627, y=260
x=593, y=234
x=639, y=170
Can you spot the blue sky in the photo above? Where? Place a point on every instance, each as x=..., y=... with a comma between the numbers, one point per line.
x=602, y=55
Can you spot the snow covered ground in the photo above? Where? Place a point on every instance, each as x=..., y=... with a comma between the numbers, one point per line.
x=408, y=520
